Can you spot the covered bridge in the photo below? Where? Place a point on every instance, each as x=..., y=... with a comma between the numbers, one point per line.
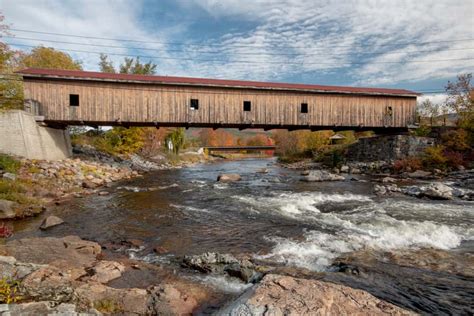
x=64, y=97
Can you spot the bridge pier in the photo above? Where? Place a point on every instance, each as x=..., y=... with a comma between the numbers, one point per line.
x=21, y=135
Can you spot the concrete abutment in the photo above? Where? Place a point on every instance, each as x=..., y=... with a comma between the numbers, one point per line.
x=21, y=135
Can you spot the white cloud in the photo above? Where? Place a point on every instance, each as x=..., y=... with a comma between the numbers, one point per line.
x=439, y=99
x=339, y=30
x=290, y=37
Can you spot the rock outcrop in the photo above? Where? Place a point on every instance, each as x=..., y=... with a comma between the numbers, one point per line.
x=71, y=249
x=217, y=263
x=322, y=175
x=284, y=295
x=229, y=177
x=65, y=276
x=436, y=191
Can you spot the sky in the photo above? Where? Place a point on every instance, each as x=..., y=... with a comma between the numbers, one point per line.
x=416, y=45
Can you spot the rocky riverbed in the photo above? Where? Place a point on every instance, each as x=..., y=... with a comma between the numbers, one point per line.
x=265, y=239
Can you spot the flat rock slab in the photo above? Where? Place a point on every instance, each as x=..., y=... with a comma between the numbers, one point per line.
x=284, y=295
x=42, y=308
x=71, y=249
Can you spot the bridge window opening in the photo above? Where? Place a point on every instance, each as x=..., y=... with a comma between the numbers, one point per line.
x=74, y=100
x=389, y=111
x=304, y=107
x=247, y=106
x=194, y=104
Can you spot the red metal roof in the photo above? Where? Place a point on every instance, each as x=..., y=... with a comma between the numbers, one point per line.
x=89, y=75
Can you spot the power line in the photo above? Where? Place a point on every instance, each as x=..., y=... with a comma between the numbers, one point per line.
x=337, y=65
x=233, y=53
x=221, y=44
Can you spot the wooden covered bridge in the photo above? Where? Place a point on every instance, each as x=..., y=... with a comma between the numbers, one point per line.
x=63, y=97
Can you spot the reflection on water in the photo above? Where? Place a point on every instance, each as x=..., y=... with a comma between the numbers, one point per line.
x=277, y=218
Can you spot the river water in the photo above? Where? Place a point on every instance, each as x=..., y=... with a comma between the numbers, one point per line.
x=415, y=253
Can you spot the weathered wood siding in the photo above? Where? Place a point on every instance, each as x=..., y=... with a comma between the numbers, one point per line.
x=149, y=103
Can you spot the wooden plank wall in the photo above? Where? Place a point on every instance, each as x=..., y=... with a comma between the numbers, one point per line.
x=145, y=103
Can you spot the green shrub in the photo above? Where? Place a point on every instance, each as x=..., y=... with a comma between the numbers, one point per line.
x=422, y=131
x=9, y=164
x=177, y=138
x=332, y=156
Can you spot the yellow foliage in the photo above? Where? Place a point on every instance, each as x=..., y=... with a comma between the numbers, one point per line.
x=434, y=156
x=120, y=140
x=300, y=143
x=47, y=57
x=107, y=306
x=9, y=291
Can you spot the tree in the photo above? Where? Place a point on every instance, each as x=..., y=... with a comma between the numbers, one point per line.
x=461, y=100
x=105, y=64
x=428, y=109
x=11, y=85
x=47, y=57
x=208, y=137
x=177, y=138
x=134, y=66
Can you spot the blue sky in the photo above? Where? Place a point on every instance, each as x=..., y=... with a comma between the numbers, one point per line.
x=417, y=45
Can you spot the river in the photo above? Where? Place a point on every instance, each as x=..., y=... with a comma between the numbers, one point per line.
x=415, y=253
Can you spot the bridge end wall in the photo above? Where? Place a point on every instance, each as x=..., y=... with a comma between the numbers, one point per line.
x=22, y=136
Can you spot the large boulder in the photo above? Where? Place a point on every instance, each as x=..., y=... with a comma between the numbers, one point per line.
x=229, y=177
x=322, y=175
x=7, y=209
x=217, y=263
x=285, y=295
x=51, y=221
x=438, y=191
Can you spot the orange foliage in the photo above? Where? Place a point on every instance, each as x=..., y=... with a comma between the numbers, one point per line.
x=408, y=164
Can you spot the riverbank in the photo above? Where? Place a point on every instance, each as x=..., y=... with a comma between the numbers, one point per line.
x=34, y=185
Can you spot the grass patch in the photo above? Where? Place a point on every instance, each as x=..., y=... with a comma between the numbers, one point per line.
x=9, y=164
x=14, y=191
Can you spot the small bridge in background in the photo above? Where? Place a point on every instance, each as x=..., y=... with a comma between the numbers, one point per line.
x=239, y=148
